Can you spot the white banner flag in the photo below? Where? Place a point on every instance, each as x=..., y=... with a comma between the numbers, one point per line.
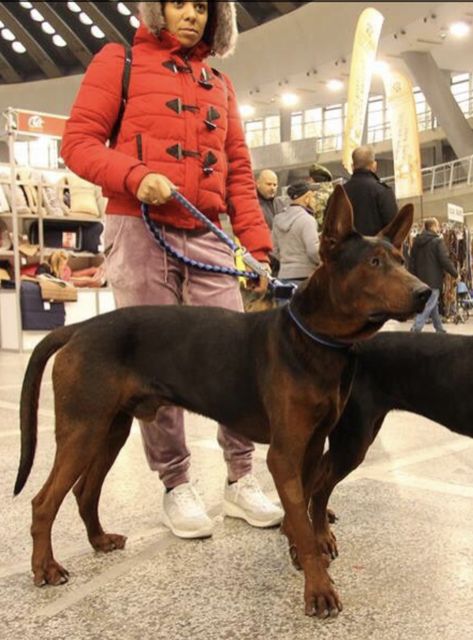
x=405, y=134
x=365, y=46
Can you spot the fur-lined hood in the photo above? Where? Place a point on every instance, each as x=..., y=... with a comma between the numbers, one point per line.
x=222, y=41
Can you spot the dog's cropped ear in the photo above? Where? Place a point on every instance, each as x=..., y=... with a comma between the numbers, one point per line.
x=338, y=221
x=397, y=230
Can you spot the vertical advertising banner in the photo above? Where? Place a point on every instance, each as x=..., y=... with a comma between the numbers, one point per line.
x=405, y=134
x=365, y=46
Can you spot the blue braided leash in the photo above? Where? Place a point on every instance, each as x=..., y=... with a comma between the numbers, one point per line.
x=258, y=269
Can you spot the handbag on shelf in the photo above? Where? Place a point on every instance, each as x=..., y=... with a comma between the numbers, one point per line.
x=53, y=289
x=58, y=234
x=73, y=235
x=56, y=290
x=83, y=196
x=38, y=314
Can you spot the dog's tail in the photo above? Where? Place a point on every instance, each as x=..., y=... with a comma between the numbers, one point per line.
x=30, y=396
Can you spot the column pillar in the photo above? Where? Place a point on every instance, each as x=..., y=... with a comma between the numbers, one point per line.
x=436, y=89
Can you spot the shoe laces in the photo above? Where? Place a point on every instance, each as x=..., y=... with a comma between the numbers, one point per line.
x=186, y=498
x=249, y=486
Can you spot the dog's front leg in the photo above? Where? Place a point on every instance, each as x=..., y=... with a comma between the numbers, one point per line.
x=285, y=459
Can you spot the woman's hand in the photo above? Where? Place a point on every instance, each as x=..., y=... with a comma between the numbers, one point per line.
x=155, y=189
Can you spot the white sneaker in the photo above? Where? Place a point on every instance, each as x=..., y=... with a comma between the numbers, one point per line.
x=184, y=513
x=244, y=499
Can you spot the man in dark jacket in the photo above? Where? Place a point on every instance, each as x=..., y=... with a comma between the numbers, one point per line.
x=373, y=202
x=429, y=261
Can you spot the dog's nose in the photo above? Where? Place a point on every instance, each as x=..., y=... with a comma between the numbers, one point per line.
x=421, y=295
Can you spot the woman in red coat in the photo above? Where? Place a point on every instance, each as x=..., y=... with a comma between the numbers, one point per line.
x=180, y=129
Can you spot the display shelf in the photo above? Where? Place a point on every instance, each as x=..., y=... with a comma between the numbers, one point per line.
x=76, y=217
x=90, y=301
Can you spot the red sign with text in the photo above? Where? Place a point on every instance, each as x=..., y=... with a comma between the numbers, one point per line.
x=40, y=123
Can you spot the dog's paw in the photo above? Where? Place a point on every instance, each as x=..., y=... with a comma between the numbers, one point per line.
x=53, y=573
x=107, y=542
x=322, y=601
x=327, y=544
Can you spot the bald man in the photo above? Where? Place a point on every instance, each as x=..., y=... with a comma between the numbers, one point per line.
x=374, y=204
x=267, y=187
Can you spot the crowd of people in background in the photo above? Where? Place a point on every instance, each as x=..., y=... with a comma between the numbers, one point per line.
x=296, y=217
x=296, y=220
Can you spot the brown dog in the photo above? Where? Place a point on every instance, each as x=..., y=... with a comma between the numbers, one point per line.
x=280, y=377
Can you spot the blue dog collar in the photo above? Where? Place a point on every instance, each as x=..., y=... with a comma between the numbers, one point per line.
x=326, y=342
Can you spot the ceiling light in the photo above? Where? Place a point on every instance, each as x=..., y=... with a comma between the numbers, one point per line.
x=85, y=19
x=59, y=40
x=73, y=6
x=334, y=85
x=48, y=28
x=135, y=23
x=289, y=99
x=247, y=110
x=17, y=46
x=380, y=67
x=459, y=29
x=26, y=5
x=7, y=35
x=123, y=9
x=36, y=15
x=97, y=32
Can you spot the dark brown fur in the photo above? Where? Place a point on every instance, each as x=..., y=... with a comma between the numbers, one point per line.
x=258, y=373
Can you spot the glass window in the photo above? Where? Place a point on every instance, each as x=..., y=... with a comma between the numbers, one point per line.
x=460, y=77
x=41, y=153
x=313, y=123
x=21, y=154
x=263, y=131
x=376, y=119
x=254, y=130
x=460, y=87
x=333, y=128
x=424, y=112
x=272, y=130
x=297, y=126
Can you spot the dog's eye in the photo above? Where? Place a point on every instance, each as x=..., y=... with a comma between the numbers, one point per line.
x=375, y=262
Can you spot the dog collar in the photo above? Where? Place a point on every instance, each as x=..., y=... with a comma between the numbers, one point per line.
x=326, y=342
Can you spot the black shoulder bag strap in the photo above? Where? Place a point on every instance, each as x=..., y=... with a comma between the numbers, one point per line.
x=124, y=98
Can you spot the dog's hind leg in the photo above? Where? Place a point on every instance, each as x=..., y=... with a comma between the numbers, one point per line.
x=72, y=456
x=87, y=490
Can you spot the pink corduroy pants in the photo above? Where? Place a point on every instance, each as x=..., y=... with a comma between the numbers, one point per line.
x=140, y=272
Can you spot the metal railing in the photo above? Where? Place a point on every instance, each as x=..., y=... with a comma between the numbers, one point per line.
x=444, y=176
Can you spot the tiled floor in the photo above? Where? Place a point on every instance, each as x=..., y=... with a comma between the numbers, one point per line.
x=405, y=537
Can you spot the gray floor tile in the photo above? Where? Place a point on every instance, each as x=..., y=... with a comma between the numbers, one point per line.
x=404, y=533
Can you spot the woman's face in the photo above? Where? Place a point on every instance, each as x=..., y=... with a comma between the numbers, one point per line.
x=186, y=21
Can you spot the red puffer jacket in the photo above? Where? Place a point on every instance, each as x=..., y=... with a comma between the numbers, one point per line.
x=181, y=120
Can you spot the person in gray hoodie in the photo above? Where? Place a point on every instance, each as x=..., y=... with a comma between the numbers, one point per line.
x=295, y=235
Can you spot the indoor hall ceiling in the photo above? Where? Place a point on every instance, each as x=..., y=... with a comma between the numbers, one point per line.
x=31, y=32
x=304, y=52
